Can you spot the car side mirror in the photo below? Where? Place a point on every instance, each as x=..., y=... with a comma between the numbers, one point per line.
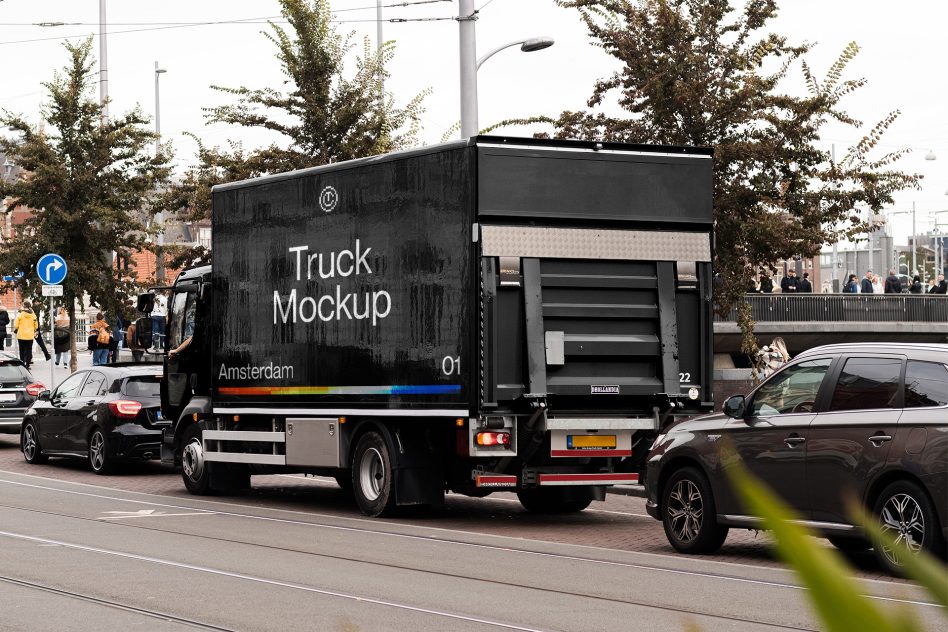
x=734, y=406
x=43, y=396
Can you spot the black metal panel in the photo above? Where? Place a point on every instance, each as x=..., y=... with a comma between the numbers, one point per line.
x=388, y=312
x=590, y=187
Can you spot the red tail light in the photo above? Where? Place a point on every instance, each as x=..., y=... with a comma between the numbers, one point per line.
x=125, y=408
x=35, y=389
x=493, y=438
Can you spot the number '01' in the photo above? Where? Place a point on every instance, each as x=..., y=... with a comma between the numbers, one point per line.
x=451, y=366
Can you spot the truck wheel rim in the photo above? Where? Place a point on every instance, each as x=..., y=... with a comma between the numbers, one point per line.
x=372, y=474
x=97, y=450
x=903, y=520
x=29, y=442
x=192, y=460
x=685, y=510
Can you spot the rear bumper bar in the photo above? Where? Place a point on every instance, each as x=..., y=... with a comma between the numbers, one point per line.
x=510, y=481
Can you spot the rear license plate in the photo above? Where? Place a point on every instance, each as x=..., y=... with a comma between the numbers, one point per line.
x=7, y=397
x=590, y=442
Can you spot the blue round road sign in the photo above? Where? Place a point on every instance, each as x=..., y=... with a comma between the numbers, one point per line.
x=51, y=269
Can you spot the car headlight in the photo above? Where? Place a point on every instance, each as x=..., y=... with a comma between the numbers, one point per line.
x=657, y=441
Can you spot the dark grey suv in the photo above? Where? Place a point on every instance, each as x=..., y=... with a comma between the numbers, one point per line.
x=863, y=419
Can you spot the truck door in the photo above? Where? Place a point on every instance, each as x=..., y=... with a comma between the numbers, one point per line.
x=176, y=387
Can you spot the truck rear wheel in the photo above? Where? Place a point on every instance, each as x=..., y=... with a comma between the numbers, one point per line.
x=372, y=476
x=549, y=500
x=194, y=469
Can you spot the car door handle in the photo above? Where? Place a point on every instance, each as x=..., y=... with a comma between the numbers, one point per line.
x=878, y=439
x=91, y=402
x=792, y=441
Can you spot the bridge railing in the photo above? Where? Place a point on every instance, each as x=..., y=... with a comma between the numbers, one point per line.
x=858, y=308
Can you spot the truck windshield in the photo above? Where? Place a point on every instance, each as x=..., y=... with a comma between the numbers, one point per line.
x=177, y=319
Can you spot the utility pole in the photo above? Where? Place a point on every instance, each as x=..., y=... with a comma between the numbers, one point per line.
x=103, y=65
x=835, y=281
x=466, y=19
x=914, y=245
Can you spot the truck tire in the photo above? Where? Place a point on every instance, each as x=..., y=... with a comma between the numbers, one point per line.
x=194, y=469
x=553, y=500
x=372, y=476
x=689, y=514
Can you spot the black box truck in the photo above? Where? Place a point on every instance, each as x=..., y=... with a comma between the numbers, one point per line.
x=488, y=314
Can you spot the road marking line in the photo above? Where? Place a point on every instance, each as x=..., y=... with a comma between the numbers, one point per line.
x=376, y=521
x=270, y=582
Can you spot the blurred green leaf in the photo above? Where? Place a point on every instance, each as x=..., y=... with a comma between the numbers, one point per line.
x=831, y=590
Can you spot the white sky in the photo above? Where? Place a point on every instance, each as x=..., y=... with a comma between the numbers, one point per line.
x=902, y=56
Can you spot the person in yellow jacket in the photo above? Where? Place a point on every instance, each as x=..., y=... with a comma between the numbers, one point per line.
x=25, y=329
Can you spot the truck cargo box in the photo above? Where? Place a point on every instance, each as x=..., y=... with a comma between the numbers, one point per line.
x=466, y=278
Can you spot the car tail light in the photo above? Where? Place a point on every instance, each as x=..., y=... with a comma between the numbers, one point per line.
x=35, y=389
x=125, y=408
x=493, y=438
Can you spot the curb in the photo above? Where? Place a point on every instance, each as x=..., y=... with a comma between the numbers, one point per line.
x=627, y=490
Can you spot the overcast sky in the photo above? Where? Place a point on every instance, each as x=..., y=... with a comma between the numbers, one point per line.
x=903, y=56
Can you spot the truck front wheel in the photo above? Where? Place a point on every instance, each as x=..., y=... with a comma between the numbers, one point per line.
x=372, y=476
x=194, y=469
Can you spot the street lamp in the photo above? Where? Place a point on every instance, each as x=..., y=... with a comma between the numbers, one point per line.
x=914, y=246
x=470, y=63
x=158, y=73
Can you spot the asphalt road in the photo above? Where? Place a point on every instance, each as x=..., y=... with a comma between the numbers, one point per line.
x=79, y=551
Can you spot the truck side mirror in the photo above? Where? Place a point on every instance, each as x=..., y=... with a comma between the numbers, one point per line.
x=146, y=302
x=734, y=407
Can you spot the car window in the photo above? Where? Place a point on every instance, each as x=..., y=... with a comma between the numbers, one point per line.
x=12, y=372
x=143, y=386
x=926, y=384
x=70, y=386
x=867, y=383
x=178, y=304
x=94, y=386
x=792, y=390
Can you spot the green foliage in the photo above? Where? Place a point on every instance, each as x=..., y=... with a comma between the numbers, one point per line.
x=87, y=181
x=697, y=72
x=326, y=115
x=835, y=596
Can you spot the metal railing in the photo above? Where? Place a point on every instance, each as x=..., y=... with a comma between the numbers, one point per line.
x=857, y=308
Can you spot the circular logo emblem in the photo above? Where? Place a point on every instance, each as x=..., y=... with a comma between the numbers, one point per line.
x=328, y=199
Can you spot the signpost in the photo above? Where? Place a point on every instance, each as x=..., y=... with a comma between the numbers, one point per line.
x=51, y=270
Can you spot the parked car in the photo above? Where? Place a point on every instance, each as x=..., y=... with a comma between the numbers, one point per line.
x=868, y=421
x=18, y=391
x=105, y=414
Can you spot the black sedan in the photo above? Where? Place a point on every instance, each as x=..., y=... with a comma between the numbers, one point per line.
x=18, y=391
x=104, y=414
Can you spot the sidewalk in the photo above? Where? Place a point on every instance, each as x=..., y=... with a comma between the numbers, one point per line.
x=40, y=367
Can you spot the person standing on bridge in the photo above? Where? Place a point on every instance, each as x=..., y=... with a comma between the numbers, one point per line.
x=805, y=286
x=866, y=286
x=892, y=284
x=766, y=283
x=790, y=284
x=941, y=287
x=852, y=285
x=916, y=287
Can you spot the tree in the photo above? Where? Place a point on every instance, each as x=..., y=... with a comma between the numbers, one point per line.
x=694, y=73
x=87, y=181
x=325, y=116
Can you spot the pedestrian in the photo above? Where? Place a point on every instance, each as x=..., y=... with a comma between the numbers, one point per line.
x=103, y=337
x=25, y=327
x=942, y=286
x=131, y=341
x=892, y=284
x=159, y=315
x=4, y=323
x=805, y=286
x=772, y=357
x=877, y=287
x=865, y=286
x=752, y=286
x=852, y=285
x=790, y=284
x=766, y=283
x=118, y=337
x=62, y=335
x=40, y=341
x=916, y=286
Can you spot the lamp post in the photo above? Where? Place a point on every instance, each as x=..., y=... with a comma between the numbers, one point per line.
x=158, y=72
x=103, y=65
x=914, y=246
x=470, y=63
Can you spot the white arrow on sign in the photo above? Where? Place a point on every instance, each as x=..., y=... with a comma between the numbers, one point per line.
x=55, y=265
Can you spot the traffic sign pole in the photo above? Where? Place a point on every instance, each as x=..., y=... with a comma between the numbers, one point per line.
x=52, y=343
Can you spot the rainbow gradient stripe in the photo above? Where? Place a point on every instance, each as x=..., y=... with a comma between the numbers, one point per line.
x=418, y=389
